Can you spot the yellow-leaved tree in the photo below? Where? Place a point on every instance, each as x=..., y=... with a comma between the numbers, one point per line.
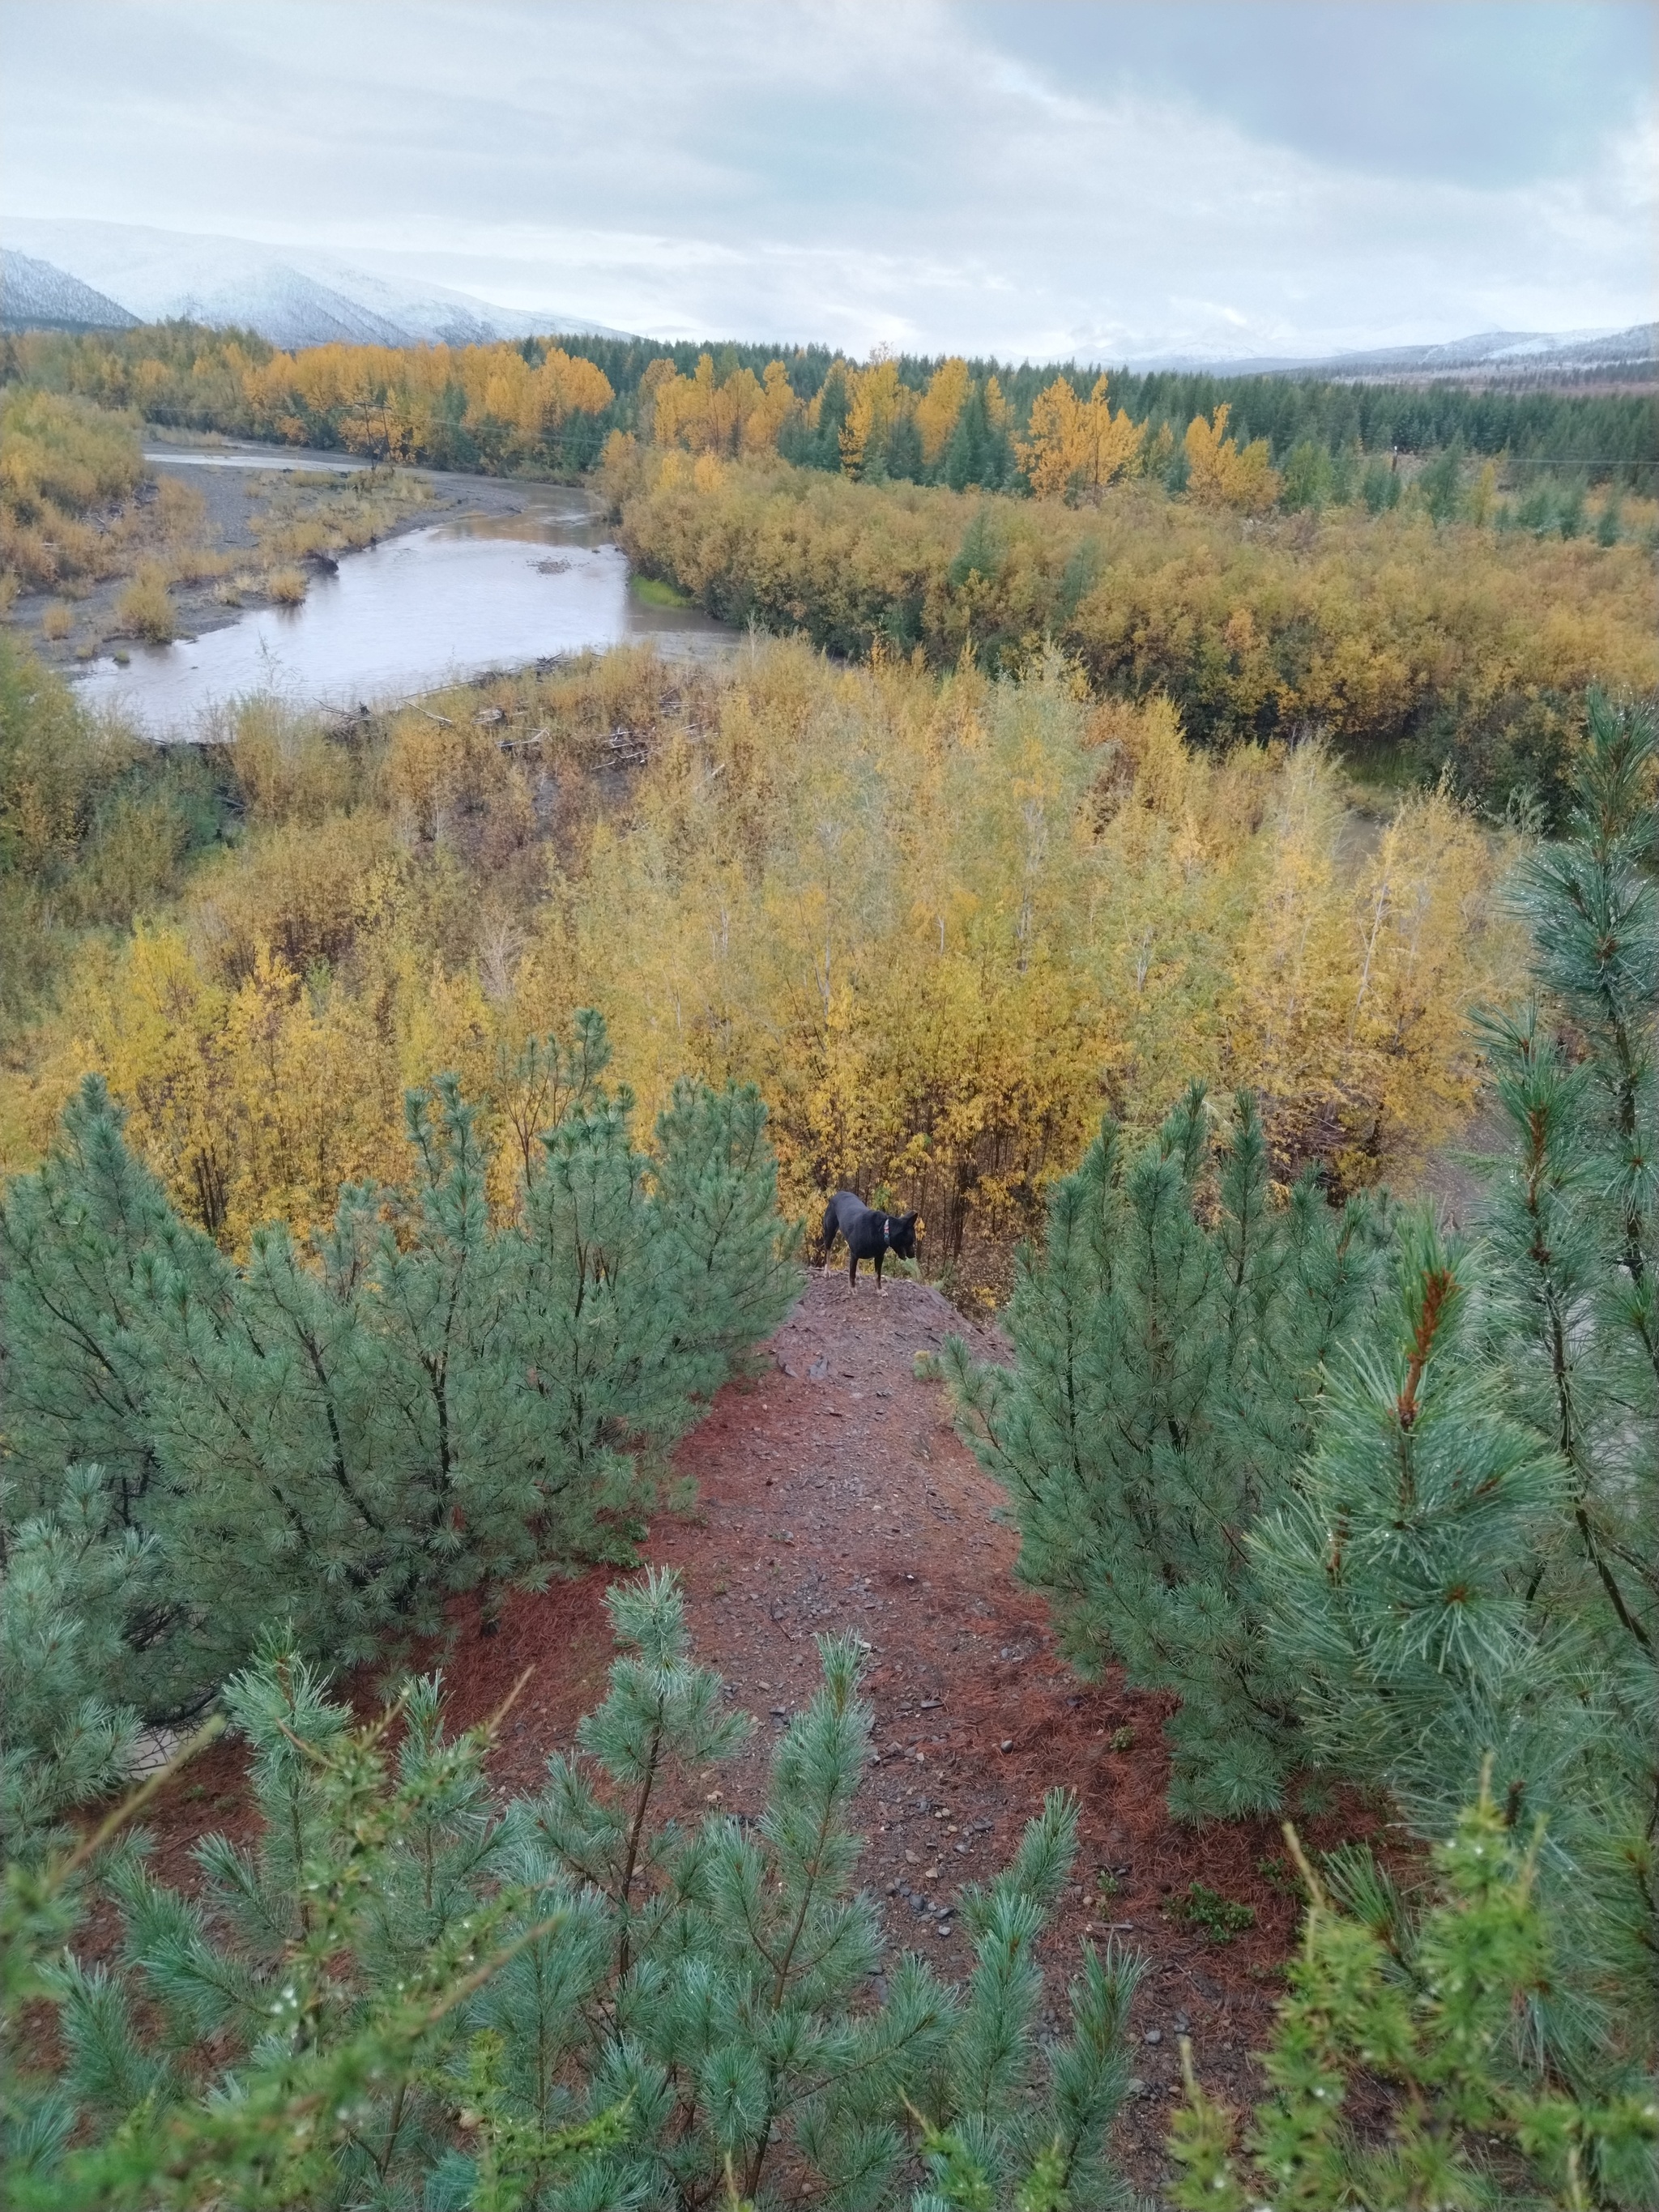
x=942, y=922
x=1219, y=475
x=393, y=403
x=741, y=415
x=874, y=399
x=939, y=406
x=998, y=412
x=1077, y=446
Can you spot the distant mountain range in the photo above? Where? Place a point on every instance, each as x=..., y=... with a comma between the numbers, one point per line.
x=71, y=275
x=1506, y=354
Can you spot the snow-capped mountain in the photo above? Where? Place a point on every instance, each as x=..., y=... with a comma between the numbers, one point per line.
x=291, y=296
x=1491, y=353
x=35, y=297
x=1505, y=350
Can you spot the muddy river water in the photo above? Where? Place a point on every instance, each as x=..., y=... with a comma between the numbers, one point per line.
x=430, y=606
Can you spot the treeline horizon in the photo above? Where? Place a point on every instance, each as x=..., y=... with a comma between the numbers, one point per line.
x=1599, y=432
x=1600, y=437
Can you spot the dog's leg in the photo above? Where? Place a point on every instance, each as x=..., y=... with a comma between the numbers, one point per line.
x=881, y=1287
x=852, y=1267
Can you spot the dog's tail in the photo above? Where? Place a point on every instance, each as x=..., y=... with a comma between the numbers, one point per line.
x=829, y=1231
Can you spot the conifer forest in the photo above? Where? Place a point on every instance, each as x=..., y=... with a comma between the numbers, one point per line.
x=523, y=1693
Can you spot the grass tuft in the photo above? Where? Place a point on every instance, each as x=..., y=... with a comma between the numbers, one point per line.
x=286, y=586
x=145, y=609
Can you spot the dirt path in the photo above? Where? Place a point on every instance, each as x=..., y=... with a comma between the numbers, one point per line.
x=833, y=1494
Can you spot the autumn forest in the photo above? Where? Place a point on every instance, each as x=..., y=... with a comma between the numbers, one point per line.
x=1164, y=830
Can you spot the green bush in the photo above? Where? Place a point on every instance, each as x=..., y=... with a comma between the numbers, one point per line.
x=1171, y=1345
x=95, y=825
x=1470, y=1562
x=1386, y=1522
x=66, y=1731
x=1220, y=1918
x=398, y=1995
x=433, y=1402
x=1423, y=2004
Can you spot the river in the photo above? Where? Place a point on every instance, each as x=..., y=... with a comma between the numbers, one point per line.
x=433, y=605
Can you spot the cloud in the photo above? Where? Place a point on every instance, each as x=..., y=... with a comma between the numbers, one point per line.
x=1480, y=92
x=1029, y=180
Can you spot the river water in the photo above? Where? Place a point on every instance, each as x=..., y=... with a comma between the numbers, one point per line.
x=432, y=606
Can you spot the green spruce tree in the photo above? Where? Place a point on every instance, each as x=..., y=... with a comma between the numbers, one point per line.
x=1009, y=2119
x=1592, y=906
x=714, y=1206
x=104, y=1287
x=86, y=1246
x=296, y=2032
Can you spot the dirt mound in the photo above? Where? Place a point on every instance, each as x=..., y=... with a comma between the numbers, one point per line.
x=833, y=1493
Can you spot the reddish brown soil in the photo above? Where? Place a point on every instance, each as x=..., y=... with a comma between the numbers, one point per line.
x=833, y=1494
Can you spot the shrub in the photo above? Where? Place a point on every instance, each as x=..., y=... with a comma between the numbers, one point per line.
x=437, y=1402
x=1423, y=2002
x=60, y=774
x=63, y=454
x=1469, y=1564
x=399, y=1994
x=1084, y=902
x=55, y=762
x=1220, y=1918
x=284, y=768
x=1432, y=644
x=133, y=853
x=286, y=586
x=66, y=1732
x=302, y=891
x=145, y=609
x=1171, y=1350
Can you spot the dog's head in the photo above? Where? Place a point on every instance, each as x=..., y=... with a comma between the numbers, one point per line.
x=901, y=1235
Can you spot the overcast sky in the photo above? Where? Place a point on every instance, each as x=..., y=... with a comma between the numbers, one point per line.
x=1046, y=178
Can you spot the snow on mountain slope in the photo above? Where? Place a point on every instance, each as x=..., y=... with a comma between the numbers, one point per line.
x=1493, y=352
x=290, y=296
x=1506, y=349
x=35, y=296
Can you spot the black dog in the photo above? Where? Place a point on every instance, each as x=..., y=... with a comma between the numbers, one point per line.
x=870, y=1235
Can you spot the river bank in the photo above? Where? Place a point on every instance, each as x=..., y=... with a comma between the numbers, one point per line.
x=251, y=513
x=268, y=568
